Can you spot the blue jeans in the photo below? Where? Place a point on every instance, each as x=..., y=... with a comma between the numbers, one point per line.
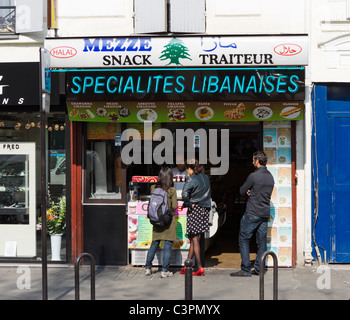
x=250, y=224
x=166, y=255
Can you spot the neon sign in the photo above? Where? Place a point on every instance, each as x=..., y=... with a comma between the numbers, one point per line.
x=245, y=84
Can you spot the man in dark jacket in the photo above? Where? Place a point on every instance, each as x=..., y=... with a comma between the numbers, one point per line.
x=258, y=187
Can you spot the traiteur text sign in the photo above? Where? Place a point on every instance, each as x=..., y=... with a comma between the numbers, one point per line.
x=148, y=52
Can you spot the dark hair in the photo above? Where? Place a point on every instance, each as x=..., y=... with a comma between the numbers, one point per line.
x=195, y=166
x=261, y=157
x=165, y=178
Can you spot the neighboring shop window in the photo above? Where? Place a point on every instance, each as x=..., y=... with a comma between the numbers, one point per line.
x=7, y=17
x=14, y=189
x=16, y=128
x=103, y=178
x=56, y=166
x=56, y=128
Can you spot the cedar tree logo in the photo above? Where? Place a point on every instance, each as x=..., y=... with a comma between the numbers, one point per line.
x=175, y=50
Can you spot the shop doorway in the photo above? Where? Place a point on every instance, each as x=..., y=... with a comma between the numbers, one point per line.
x=223, y=250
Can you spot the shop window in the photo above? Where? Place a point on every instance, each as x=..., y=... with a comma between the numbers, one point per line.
x=14, y=189
x=16, y=128
x=56, y=171
x=29, y=16
x=56, y=157
x=169, y=16
x=20, y=17
x=103, y=178
x=20, y=200
x=7, y=17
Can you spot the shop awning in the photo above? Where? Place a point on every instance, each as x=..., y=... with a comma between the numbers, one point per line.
x=188, y=111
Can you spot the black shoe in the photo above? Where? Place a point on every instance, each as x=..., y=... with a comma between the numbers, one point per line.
x=240, y=273
x=258, y=273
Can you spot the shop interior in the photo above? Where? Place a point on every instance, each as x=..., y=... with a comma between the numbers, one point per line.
x=223, y=250
x=244, y=139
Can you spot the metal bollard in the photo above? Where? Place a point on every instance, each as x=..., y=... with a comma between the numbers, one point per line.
x=275, y=274
x=188, y=279
x=92, y=275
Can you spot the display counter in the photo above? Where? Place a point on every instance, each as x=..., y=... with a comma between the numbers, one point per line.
x=140, y=229
x=140, y=234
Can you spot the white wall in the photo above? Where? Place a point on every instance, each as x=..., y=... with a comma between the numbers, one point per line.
x=330, y=41
x=94, y=18
x=115, y=17
x=255, y=16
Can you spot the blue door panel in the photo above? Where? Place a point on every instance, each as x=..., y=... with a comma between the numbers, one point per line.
x=341, y=228
x=331, y=172
x=339, y=186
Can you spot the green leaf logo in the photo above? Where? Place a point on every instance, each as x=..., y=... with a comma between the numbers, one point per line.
x=175, y=50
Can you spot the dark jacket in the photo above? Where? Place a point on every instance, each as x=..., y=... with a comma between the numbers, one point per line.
x=197, y=190
x=260, y=183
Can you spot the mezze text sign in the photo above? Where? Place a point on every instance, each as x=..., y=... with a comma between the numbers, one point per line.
x=148, y=52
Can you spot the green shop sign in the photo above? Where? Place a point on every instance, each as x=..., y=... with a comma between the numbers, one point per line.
x=138, y=112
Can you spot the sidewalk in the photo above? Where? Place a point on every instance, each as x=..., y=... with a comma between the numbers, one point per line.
x=24, y=282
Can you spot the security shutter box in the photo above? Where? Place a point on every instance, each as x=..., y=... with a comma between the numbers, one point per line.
x=150, y=16
x=187, y=16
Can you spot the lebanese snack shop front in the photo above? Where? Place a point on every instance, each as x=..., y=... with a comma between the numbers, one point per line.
x=135, y=104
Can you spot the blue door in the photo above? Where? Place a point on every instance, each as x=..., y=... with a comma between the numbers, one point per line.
x=339, y=189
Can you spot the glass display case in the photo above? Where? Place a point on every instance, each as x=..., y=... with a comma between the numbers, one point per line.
x=17, y=199
x=103, y=170
x=14, y=200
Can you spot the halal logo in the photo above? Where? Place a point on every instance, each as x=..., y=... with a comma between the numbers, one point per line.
x=2, y=86
x=175, y=50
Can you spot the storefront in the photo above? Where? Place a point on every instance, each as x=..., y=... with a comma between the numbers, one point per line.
x=20, y=161
x=134, y=104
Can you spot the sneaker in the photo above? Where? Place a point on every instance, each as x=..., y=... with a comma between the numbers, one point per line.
x=166, y=274
x=257, y=272
x=148, y=272
x=240, y=273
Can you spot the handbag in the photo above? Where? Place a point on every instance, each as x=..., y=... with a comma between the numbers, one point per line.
x=211, y=212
